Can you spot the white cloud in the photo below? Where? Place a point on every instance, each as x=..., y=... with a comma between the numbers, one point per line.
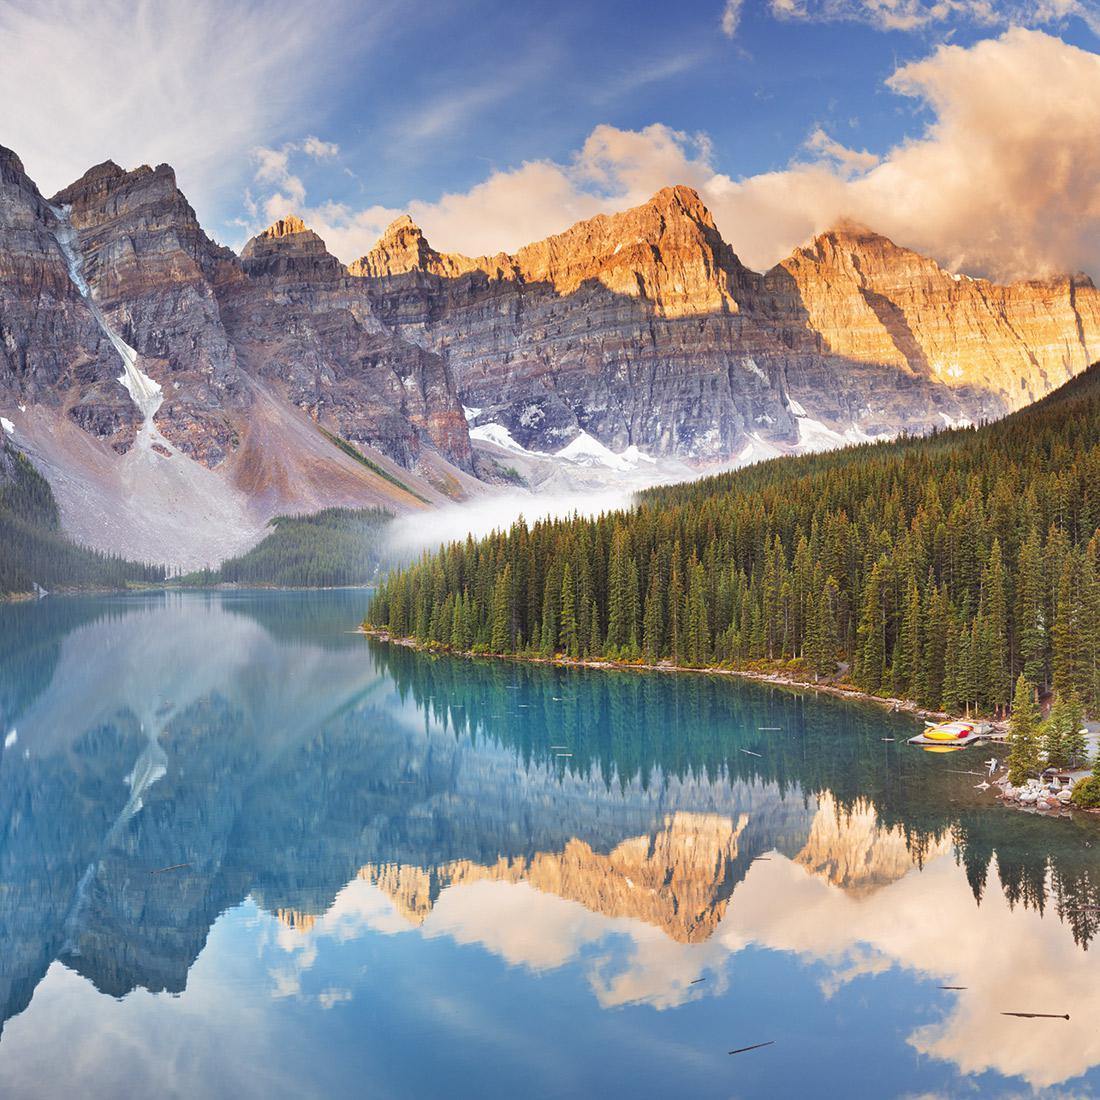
x=195, y=85
x=999, y=182
x=273, y=170
x=912, y=15
x=848, y=162
x=320, y=150
x=731, y=17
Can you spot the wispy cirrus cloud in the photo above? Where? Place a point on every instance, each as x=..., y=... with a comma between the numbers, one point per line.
x=148, y=81
x=912, y=15
x=731, y=17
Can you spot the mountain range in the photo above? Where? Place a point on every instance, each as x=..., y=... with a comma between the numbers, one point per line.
x=176, y=395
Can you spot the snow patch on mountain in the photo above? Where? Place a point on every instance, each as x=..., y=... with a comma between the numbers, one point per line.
x=813, y=436
x=499, y=436
x=757, y=450
x=589, y=451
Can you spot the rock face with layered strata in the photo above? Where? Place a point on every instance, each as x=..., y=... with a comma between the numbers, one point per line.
x=299, y=321
x=51, y=349
x=874, y=302
x=151, y=268
x=644, y=329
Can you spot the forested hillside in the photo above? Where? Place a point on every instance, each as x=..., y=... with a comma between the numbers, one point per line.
x=33, y=547
x=337, y=546
x=936, y=569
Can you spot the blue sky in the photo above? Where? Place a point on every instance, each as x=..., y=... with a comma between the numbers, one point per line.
x=407, y=103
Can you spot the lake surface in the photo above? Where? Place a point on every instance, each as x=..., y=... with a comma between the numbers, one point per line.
x=244, y=852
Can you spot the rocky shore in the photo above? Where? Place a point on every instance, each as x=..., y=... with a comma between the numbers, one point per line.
x=1035, y=794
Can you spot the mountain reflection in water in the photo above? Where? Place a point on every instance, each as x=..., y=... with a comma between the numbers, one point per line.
x=241, y=763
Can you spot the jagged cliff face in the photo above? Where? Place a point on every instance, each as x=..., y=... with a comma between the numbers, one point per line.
x=640, y=330
x=51, y=350
x=301, y=322
x=150, y=265
x=247, y=362
x=645, y=329
x=874, y=302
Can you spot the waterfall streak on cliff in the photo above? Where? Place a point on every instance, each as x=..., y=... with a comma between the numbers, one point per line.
x=145, y=393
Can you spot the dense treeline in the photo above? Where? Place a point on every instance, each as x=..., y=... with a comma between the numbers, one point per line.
x=936, y=569
x=33, y=548
x=337, y=546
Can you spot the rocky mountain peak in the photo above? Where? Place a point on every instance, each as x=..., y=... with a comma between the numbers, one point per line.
x=401, y=248
x=11, y=168
x=285, y=227
x=289, y=247
x=682, y=201
x=403, y=224
x=666, y=251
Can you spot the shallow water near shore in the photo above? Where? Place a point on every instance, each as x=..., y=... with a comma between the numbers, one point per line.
x=245, y=851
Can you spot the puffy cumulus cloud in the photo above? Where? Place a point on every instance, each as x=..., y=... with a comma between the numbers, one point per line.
x=911, y=15
x=287, y=192
x=848, y=162
x=1001, y=182
x=1004, y=181
x=192, y=84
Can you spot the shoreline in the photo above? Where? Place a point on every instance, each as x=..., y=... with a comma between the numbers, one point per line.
x=777, y=679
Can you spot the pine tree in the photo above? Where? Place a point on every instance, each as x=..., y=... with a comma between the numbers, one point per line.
x=653, y=619
x=1071, y=674
x=1055, y=733
x=1076, y=745
x=1023, y=753
x=871, y=663
x=501, y=636
x=907, y=647
x=825, y=640
x=697, y=628
x=994, y=606
x=1031, y=610
x=569, y=637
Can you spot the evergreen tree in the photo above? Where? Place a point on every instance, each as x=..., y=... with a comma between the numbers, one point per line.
x=1023, y=753
x=1076, y=745
x=501, y=637
x=938, y=569
x=570, y=636
x=871, y=663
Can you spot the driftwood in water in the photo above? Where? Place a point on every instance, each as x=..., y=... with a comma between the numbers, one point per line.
x=755, y=1046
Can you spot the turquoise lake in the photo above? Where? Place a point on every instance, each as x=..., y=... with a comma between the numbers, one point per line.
x=246, y=852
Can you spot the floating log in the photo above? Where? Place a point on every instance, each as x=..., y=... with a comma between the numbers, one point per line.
x=755, y=1046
